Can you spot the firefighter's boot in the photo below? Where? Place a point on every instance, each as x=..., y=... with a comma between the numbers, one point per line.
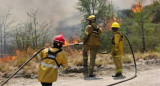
x=117, y=75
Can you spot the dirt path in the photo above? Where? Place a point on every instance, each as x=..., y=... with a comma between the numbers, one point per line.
x=145, y=78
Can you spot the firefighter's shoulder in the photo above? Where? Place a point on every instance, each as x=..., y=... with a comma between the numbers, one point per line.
x=88, y=26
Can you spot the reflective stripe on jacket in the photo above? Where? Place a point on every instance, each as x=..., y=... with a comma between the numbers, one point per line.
x=48, y=69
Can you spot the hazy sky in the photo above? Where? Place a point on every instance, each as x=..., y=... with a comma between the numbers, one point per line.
x=55, y=10
x=52, y=10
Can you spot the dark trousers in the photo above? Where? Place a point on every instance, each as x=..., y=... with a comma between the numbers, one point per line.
x=46, y=84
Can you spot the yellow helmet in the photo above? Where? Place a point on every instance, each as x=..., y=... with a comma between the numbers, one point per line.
x=91, y=17
x=115, y=24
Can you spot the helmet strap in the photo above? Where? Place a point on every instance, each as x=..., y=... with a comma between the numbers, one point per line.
x=57, y=45
x=114, y=29
x=92, y=21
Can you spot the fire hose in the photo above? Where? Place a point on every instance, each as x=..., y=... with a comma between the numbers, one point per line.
x=135, y=75
x=134, y=60
x=22, y=66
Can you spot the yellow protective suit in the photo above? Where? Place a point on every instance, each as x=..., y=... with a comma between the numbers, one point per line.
x=90, y=38
x=48, y=69
x=117, y=50
x=91, y=43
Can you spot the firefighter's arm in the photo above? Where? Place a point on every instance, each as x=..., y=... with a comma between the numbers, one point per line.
x=38, y=56
x=64, y=63
x=86, y=33
x=116, y=41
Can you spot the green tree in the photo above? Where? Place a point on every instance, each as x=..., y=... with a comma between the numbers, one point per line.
x=143, y=26
x=103, y=9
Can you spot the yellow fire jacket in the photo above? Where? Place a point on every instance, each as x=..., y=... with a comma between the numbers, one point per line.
x=117, y=41
x=92, y=37
x=48, y=69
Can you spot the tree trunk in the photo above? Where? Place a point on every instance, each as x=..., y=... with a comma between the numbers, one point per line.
x=143, y=33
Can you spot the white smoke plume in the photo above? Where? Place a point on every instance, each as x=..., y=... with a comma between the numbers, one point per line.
x=127, y=4
x=61, y=13
x=49, y=10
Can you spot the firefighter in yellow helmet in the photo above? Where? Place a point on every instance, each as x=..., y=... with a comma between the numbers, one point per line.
x=91, y=43
x=117, y=50
x=51, y=59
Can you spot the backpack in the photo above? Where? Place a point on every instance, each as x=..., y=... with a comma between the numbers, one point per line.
x=52, y=55
x=94, y=37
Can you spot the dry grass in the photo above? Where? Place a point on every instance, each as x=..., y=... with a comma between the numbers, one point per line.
x=147, y=55
x=4, y=67
x=21, y=57
x=75, y=58
x=127, y=58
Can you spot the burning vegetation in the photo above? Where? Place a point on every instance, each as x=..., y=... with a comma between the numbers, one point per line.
x=9, y=58
x=137, y=8
x=110, y=21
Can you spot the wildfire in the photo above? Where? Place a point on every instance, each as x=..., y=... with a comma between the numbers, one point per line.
x=109, y=22
x=18, y=52
x=8, y=58
x=67, y=43
x=137, y=8
x=115, y=19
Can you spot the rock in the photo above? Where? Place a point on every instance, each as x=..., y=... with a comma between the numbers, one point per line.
x=33, y=76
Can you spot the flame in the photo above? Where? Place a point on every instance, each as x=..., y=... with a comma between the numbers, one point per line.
x=137, y=8
x=0, y=60
x=114, y=18
x=8, y=58
x=13, y=58
x=67, y=43
x=110, y=21
x=18, y=52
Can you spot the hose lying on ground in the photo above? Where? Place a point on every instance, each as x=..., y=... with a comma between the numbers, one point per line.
x=22, y=66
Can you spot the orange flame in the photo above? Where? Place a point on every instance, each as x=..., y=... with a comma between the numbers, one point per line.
x=67, y=43
x=8, y=58
x=13, y=58
x=137, y=8
x=109, y=22
x=114, y=19
x=0, y=60
x=18, y=52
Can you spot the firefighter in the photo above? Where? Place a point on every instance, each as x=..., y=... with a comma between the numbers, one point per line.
x=51, y=59
x=91, y=43
x=117, y=49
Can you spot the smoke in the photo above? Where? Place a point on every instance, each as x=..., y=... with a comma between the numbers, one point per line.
x=62, y=14
x=123, y=4
x=68, y=29
x=127, y=4
x=49, y=10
